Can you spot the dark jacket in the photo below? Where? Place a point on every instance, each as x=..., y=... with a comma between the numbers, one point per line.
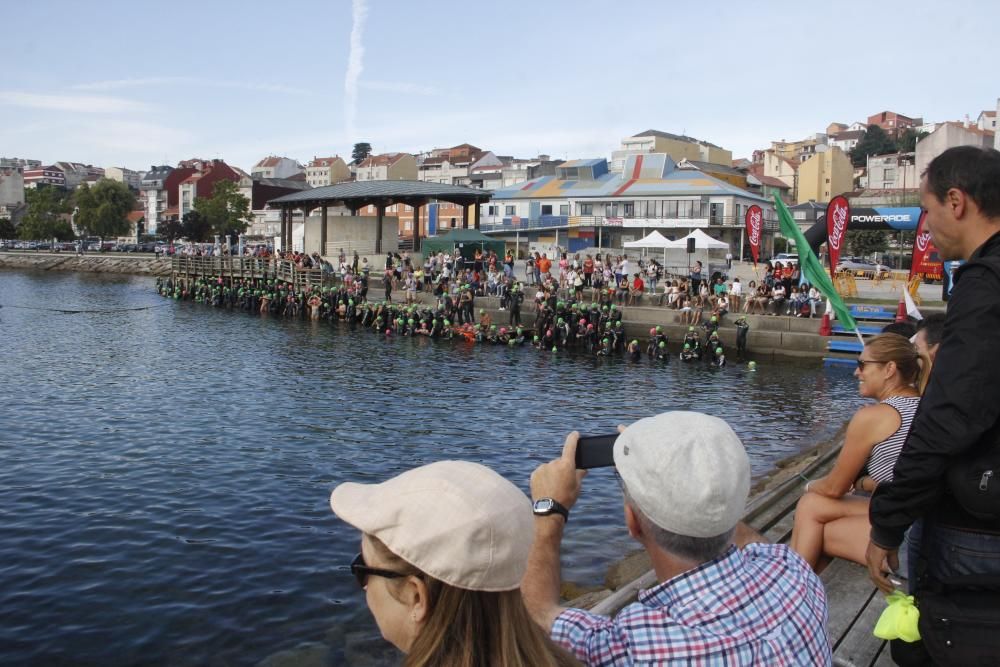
x=959, y=413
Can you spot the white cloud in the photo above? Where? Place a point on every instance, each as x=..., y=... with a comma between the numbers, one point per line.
x=159, y=81
x=73, y=103
x=399, y=87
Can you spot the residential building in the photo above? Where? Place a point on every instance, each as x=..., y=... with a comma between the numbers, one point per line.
x=857, y=125
x=808, y=213
x=846, y=140
x=584, y=205
x=456, y=165
x=677, y=146
x=76, y=174
x=895, y=171
x=11, y=189
x=775, y=166
x=996, y=135
x=893, y=123
x=823, y=176
x=767, y=186
x=23, y=163
x=802, y=149
x=987, y=120
x=202, y=184
x=387, y=167
x=323, y=171
x=132, y=179
x=948, y=135
x=519, y=170
x=836, y=128
x=276, y=167
x=47, y=175
x=266, y=222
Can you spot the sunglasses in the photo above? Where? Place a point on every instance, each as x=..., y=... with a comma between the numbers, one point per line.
x=862, y=362
x=361, y=571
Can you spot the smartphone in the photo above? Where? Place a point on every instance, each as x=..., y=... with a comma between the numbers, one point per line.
x=595, y=451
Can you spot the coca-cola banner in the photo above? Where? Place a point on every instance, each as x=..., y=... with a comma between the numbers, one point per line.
x=754, y=222
x=925, y=262
x=838, y=213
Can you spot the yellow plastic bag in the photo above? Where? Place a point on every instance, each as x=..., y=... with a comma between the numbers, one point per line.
x=899, y=620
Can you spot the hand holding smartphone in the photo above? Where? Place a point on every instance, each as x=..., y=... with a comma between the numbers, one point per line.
x=595, y=451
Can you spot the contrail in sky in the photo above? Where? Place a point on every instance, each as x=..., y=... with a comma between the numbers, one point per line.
x=359, y=12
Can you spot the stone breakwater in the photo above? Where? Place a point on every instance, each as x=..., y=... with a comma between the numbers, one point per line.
x=143, y=266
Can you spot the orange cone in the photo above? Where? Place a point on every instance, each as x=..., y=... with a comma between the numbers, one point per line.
x=901, y=311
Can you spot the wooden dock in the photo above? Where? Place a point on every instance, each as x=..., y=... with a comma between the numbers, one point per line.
x=241, y=268
x=854, y=603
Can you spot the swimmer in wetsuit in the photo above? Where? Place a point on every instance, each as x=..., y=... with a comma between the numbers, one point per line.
x=687, y=354
x=661, y=352
x=742, y=329
x=633, y=351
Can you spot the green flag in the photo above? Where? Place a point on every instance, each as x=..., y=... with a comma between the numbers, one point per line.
x=811, y=268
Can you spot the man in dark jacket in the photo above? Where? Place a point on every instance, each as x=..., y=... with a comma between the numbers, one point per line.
x=959, y=416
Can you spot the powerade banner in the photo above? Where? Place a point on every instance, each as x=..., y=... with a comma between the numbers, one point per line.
x=838, y=215
x=901, y=219
x=926, y=262
x=754, y=221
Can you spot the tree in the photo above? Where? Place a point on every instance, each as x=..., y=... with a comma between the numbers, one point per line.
x=361, y=150
x=171, y=229
x=226, y=211
x=864, y=242
x=874, y=142
x=7, y=229
x=907, y=140
x=195, y=227
x=43, y=219
x=103, y=210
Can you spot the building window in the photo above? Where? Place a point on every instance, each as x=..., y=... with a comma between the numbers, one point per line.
x=510, y=210
x=546, y=209
x=563, y=209
x=586, y=209
x=628, y=209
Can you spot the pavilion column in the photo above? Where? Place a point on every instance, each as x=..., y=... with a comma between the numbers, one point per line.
x=305, y=217
x=475, y=215
x=416, y=227
x=322, y=233
x=378, y=229
x=284, y=229
x=466, y=213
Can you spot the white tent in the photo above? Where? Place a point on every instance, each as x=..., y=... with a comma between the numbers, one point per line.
x=702, y=241
x=653, y=240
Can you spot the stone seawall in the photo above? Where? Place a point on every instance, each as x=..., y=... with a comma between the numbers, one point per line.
x=143, y=266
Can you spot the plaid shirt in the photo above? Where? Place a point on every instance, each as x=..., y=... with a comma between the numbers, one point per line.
x=760, y=605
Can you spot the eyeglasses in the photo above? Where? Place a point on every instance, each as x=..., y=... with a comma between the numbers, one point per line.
x=361, y=571
x=862, y=362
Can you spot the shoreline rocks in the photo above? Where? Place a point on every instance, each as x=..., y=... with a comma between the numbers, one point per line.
x=142, y=266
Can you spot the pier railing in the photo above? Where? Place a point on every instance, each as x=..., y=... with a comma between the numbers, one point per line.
x=249, y=268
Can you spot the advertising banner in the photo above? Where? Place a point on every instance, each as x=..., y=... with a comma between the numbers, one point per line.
x=754, y=221
x=838, y=213
x=925, y=262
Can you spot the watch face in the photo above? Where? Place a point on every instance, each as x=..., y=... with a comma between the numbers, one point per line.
x=543, y=505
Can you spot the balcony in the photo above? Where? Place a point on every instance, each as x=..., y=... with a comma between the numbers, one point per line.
x=514, y=223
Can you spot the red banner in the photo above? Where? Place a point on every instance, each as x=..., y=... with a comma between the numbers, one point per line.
x=925, y=261
x=838, y=214
x=754, y=222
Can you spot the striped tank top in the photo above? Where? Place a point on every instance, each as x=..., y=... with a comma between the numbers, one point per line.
x=883, y=457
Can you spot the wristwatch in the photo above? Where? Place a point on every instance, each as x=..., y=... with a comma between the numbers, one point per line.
x=546, y=506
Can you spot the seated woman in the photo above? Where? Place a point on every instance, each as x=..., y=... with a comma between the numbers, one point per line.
x=443, y=550
x=830, y=522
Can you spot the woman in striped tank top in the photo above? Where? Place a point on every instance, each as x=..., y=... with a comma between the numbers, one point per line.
x=831, y=519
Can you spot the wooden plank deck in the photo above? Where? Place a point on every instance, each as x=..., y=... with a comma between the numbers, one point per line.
x=854, y=602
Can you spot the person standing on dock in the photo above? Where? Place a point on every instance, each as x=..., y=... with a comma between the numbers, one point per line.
x=685, y=478
x=944, y=483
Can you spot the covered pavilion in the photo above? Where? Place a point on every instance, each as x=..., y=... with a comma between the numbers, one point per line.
x=356, y=195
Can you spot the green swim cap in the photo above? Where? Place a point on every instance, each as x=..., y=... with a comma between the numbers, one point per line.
x=659, y=328
x=718, y=350
x=536, y=339
x=690, y=328
x=687, y=346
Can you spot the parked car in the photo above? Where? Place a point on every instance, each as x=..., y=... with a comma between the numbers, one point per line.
x=857, y=266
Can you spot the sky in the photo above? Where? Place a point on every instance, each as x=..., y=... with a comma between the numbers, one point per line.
x=136, y=84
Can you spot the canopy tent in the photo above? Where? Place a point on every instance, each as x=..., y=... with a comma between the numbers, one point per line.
x=702, y=241
x=467, y=240
x=653, y=240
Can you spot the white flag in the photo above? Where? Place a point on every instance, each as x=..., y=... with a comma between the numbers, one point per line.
x=911, y=307
x=829, y=309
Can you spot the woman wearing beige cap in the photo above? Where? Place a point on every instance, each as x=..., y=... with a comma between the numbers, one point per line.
x=443, y=550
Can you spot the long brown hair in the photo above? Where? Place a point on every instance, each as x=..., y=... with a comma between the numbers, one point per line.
x=913, y=368
x=474, y=628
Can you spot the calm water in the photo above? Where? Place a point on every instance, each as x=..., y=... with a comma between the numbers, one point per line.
x=165, y=473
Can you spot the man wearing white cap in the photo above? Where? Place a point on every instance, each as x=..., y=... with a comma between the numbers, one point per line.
x=685, y=477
